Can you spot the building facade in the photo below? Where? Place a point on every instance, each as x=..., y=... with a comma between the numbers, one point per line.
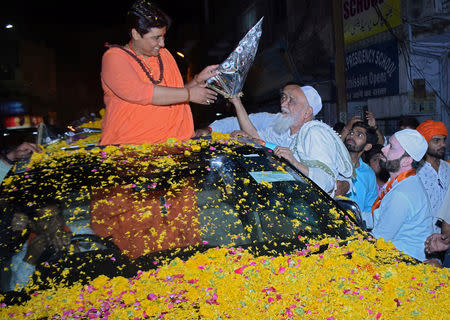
x=396, y=55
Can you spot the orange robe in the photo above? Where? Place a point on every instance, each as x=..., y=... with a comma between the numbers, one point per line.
x=130, y=116
x=137, y=222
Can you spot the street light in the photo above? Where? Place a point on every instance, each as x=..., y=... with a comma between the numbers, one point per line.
x=9, y=26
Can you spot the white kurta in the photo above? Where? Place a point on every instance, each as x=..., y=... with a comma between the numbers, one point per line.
x=404, y=217
x=436, y=185
x=318, y=147
x=444, y=211
x=283, y=139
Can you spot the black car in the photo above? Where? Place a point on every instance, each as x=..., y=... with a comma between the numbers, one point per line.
x=211, y=229
x=126, y=207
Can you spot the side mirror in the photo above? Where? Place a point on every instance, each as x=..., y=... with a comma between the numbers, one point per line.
x=348, y=204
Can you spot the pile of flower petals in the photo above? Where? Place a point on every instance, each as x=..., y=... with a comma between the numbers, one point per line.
x=343, y=282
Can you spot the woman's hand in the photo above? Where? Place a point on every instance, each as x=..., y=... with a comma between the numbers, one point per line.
x=208, y=72
x=202, y=95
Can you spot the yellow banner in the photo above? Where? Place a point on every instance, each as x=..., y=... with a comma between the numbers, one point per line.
x=361, y=19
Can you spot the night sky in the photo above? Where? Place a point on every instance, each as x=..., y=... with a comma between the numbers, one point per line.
x=78, y=30
x=55, y=22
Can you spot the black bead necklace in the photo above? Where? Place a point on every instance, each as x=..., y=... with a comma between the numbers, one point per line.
x=146, y=68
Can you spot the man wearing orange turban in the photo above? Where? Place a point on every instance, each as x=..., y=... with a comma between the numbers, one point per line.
x=431, y=128
x=435, y=174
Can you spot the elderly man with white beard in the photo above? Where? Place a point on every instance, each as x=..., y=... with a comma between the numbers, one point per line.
x=311, y=146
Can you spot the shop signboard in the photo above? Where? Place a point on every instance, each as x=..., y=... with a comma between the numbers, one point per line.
x=372, y=71
x=365, y=18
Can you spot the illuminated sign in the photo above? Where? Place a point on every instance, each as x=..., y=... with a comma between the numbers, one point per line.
x=361, y=19
x=12, y=107
x=21, y=122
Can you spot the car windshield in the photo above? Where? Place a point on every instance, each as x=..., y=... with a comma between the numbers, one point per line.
x=149, y=202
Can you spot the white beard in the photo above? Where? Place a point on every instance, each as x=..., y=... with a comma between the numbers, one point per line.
x=282, y=124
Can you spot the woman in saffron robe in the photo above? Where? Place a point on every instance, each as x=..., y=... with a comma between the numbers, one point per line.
x=146, y=100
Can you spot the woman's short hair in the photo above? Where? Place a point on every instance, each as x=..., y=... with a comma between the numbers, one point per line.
x=144, y=15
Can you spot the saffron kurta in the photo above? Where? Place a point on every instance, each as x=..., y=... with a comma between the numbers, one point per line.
x=130, y=116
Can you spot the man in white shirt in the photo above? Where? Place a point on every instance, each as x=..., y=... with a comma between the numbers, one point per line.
x=311, y=146
x=402, y=211
x=435, y=174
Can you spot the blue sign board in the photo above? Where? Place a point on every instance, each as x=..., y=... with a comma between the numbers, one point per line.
x=372, y=71
x=12, y=107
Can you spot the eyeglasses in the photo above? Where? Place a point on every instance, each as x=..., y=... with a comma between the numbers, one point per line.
x=284, y=98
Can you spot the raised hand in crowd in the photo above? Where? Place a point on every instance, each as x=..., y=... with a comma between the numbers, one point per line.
x=345, y=131
x=371, y=121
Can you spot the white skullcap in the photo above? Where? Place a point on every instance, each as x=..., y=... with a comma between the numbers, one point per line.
x=313, y=98
x=413, y=143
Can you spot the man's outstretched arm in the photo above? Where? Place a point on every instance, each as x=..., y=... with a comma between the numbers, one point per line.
x=244, y=121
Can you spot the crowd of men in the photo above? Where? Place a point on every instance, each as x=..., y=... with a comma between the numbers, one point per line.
x=400, y=184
